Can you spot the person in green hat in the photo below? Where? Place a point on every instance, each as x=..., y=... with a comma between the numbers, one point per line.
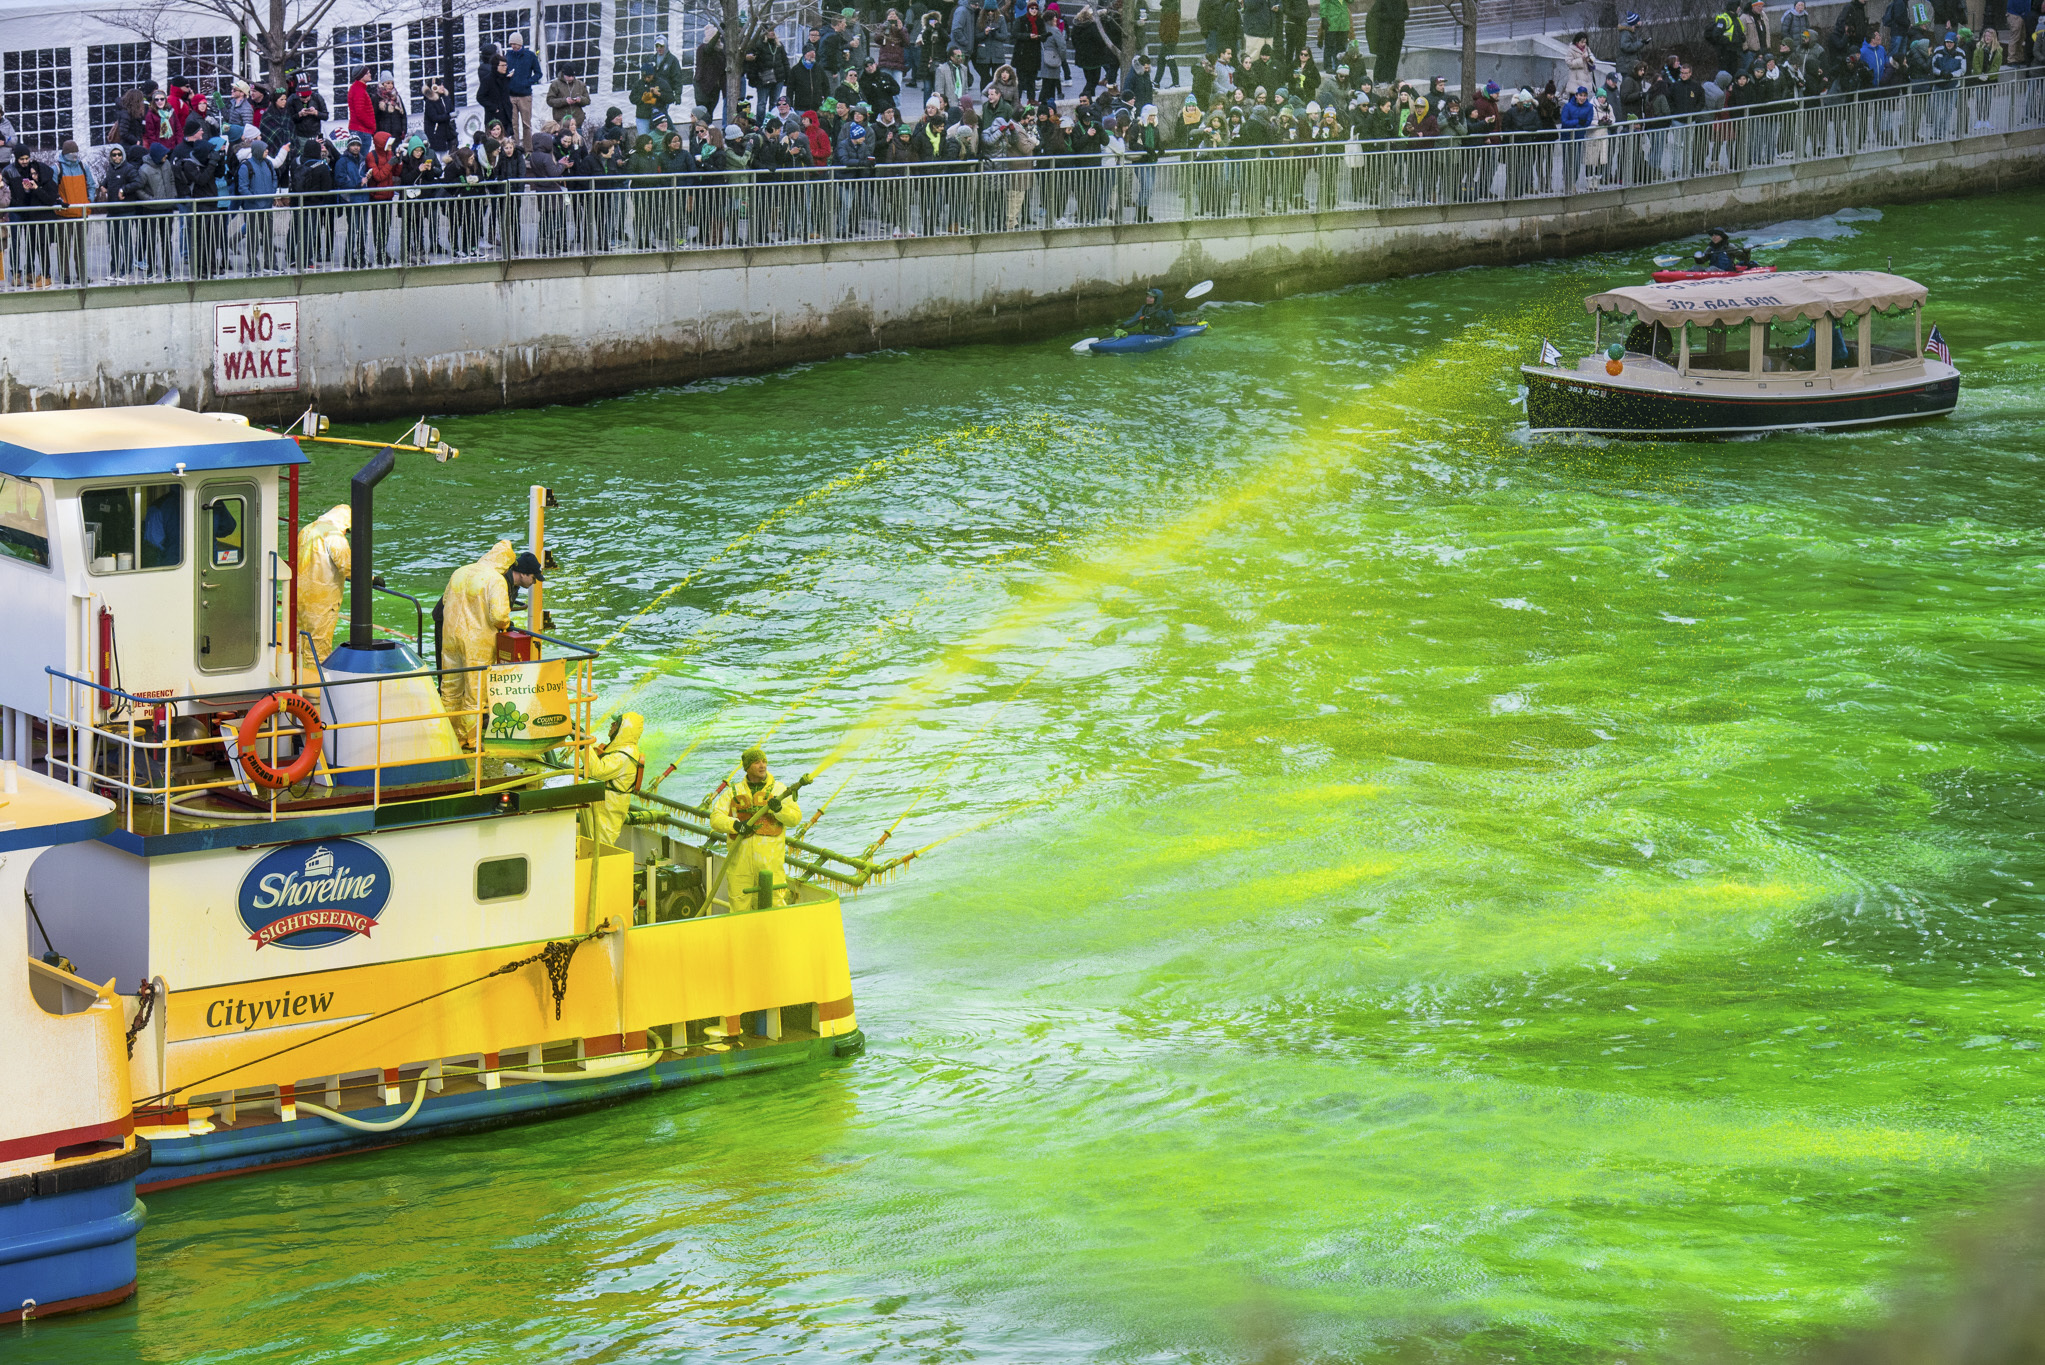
x=754, y=814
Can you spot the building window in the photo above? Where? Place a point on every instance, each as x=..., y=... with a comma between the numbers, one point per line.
x=35, y=87
x=573, y=38
x=501, y=879
x=24, y=524
x=638, y=26
x=141, y=526
x=494, y=29
x=436, y=50
x=359, y=45
x=111, y=71
x=203, y=61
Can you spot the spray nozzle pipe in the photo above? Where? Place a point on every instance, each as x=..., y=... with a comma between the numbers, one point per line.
x=665, y=776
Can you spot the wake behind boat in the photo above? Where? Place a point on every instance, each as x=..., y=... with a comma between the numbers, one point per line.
x=1793, y=349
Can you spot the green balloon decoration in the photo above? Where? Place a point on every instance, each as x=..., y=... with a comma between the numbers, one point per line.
x=1616, y=351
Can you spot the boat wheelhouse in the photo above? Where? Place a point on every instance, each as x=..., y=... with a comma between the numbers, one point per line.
x=1746, y=354
x=324, y=924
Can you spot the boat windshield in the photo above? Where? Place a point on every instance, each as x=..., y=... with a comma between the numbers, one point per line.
x=1718, y=350
x=1846, y=342
x=1652, y=339
x=1892, y=336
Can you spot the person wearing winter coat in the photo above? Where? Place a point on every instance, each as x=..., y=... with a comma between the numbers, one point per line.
x=1054, y=66
x=391, y=115
x=879, y=89
x=308, y=108
x=954, y=79
x=119, y=191
x=766, y=69
x=1384, y=30
x=521, y=74
x=1096, y=46
x=311, y=239
x=710, y=73
x=351, y=179
x=568, y=97
x=254, y=174
x=32, y=204
x=1221, y=25
x=1579, y=66
x=649, y=96
x=361, y=104
x=436, y=113
x=808, y=83
x=493, y=90
x=157, y=193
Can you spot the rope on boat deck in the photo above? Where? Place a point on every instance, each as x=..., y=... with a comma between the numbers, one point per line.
x=556, y=954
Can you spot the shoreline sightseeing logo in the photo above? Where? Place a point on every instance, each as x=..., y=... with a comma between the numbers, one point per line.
x=314, y=895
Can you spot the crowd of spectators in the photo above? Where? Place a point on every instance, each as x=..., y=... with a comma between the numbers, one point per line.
x=254, y=179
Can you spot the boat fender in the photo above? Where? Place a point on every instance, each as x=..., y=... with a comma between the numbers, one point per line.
x=267, y=775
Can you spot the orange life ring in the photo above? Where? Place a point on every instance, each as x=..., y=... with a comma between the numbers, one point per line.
x=268, y=775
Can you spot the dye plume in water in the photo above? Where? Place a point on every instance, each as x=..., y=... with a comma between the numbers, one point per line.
x=1417, y=890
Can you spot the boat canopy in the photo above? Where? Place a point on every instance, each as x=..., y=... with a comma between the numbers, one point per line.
x=1761, y=298
x=92, y=443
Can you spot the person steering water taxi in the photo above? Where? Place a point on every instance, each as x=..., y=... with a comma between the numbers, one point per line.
x=1153, y=318
x=758, y=854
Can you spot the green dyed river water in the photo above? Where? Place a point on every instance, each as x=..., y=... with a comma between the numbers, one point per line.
x=1419, y=892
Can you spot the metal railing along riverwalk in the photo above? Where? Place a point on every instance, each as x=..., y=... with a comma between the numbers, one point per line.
x=539, y=219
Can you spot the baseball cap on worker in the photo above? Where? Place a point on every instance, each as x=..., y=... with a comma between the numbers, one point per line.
x=529, y=563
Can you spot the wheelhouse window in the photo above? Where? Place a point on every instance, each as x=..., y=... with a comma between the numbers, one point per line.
x=1718, y=349
x=1892, y=336
x=1791, y=347
x=502, y=879
x=133, y=527
x=24, y=522
x=229, y=543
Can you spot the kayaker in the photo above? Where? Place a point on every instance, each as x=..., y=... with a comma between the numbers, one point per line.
x=1153, y=318
x=1720, y=254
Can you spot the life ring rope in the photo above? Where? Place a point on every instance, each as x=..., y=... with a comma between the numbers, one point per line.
x=268, y=775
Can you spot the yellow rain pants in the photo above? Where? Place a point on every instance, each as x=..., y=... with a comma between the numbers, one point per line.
x=476, y=605
x=765, y=850
x=325, y=558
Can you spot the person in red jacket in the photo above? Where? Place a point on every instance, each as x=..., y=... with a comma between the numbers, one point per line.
x=361, y=105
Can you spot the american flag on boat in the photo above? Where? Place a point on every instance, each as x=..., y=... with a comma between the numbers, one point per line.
x=1935, y=345
x=1551, y=356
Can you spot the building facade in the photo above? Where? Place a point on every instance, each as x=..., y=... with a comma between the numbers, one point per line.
x=63, y=69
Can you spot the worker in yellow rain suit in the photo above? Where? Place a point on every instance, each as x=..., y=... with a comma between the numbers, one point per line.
x=765, y=849
x=476, y=605
x=621, y=768
x=325, y=557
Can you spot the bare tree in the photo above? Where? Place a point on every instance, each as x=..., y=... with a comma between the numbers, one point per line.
x=1463, y=13
x=742, y=26
x=284, y=35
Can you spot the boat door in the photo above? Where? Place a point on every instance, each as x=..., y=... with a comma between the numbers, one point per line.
x=229, y=634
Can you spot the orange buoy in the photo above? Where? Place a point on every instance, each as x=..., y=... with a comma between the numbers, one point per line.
x=268, y=775
x=1614, y=366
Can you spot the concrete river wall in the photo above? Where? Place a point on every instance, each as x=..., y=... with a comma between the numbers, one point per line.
x=469, y=334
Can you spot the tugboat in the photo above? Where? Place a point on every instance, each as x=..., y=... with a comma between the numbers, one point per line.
x=69, y=1153
x=1723, y=357
x=324, y=923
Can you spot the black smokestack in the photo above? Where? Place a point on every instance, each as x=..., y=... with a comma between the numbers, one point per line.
x=361, y=540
